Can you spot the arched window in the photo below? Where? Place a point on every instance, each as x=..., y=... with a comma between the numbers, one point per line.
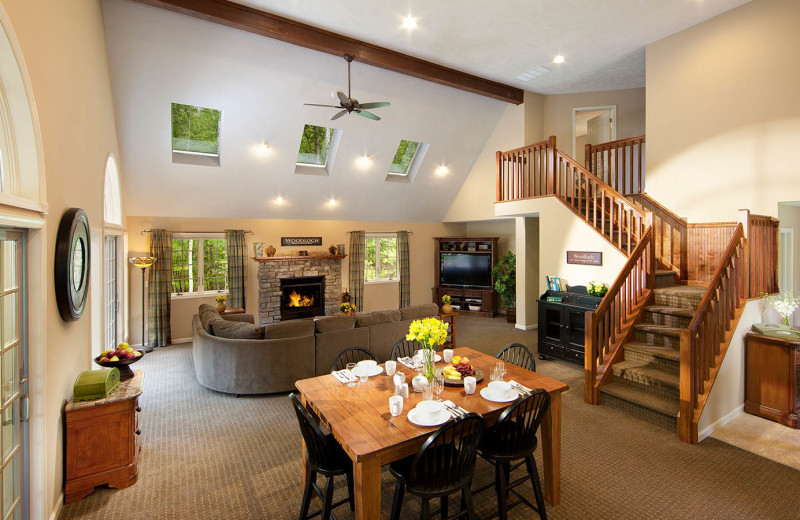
x=112, y=204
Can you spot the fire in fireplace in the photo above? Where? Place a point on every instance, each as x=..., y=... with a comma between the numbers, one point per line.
x=302, y=297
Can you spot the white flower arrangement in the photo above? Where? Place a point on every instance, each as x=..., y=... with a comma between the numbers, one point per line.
x=785, y=303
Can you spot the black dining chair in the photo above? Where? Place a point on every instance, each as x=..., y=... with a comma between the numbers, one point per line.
x=443, y=465
x=518, y=354
x=324, y=456
x=352, y=355
x=405, y=348
x=512, y=439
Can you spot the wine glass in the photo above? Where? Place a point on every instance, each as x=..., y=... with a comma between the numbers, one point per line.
x=500, y=370
x=438, y=387
x=351, y=382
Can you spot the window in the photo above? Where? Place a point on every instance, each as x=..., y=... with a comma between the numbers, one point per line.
x=403, y=157
x=199, y=264
x=195, y=129
x=380, y=257
x=317, y=150
x=112, y=205
x=111, y=296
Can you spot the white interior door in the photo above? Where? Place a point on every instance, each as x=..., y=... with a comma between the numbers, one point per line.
x=598, y=129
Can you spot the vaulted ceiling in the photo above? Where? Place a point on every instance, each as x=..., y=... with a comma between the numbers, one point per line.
x=158, y=57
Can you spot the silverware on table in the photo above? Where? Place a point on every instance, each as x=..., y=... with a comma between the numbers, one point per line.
x=521, y=389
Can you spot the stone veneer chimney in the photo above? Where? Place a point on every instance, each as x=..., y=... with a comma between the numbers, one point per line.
x=271, y=270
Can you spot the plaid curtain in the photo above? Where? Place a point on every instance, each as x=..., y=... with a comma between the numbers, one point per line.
x=237, y=253
x=356, y=264
x=402, y=265
x=160, y=280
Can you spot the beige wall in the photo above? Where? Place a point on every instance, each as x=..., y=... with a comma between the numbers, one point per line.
x=534, y=118
x=376, y=296
x=723, y=114
x=505, y=230
x=557, y=119
x=63, y=46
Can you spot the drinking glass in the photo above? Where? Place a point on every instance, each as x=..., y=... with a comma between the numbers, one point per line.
x=469, y=385
x=351, y=367
x=427, y=393
x=500, y=368
x=391, y=367
x=447, y=355
x=493, y=374
x=396, y=405
x=438, y=387
x=363, y=375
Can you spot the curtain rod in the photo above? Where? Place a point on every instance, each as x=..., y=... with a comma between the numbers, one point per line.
x=247, y=232
x=383, y=232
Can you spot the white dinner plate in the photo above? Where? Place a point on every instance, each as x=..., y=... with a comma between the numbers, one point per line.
x=512, y=396
x=436, y=358
x=374, y=371
x=443, y=417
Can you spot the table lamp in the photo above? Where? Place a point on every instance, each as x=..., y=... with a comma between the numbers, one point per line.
x=143, y=262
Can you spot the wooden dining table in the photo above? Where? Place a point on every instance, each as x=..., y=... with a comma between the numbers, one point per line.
x=360, y=420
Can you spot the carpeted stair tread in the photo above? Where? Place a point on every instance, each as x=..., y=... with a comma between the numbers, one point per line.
x=673, y=332
x=627, y=392
x=681, y=312
x=644, y=348
x=644, y=373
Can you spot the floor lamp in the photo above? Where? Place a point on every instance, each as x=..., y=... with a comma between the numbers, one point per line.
x=143, y=262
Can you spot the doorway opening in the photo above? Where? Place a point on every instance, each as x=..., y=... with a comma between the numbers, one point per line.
x=592, y=125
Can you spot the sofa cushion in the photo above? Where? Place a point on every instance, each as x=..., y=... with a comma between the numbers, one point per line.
x=334, y=323
x=415, y=312
x=369, y=319
x=236, y=330
x=208, y=314
x=289, y=329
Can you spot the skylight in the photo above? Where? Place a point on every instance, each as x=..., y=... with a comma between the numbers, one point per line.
x=317, y=150
x=403, y=157
x=195, y=130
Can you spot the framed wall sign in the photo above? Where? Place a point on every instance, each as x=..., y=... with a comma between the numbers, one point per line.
x=585, y=257
x=301, y=241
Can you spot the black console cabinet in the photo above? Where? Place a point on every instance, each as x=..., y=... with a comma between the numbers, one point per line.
x=562, y=324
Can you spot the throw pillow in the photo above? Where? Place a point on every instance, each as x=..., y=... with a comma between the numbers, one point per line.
x=390, y=316
x=208, y=314
x=334, y=323
x=236, y=330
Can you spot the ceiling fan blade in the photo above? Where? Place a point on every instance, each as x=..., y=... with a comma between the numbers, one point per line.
x=368, y=115
x=344, y=99
x=339, y=114
x=316, y=105
x=379, y=104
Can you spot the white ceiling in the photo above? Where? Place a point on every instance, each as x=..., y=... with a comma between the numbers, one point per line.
x=603, y=41
x=157, y=57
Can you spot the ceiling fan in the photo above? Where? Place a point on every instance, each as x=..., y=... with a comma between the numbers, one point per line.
x=348, y=104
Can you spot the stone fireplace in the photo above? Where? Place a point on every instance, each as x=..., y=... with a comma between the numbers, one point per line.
x=277, y=273
x=302, y=297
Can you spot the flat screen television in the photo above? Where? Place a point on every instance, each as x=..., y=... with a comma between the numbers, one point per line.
x=466, y=270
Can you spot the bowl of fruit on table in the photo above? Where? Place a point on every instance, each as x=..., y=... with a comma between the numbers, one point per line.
x=120, y=357
x=455, y=371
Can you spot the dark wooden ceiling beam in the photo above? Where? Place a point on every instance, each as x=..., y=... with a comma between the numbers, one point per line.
x=290, y=31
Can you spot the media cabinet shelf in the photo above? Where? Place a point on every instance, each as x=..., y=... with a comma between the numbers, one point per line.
x=481, y=298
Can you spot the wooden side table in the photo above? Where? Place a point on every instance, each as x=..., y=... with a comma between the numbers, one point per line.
x=233, y=310
x=103, y=440
x=451, y=338
x=772, y=367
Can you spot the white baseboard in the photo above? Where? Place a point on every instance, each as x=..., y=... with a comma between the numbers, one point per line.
x=58, y=507
x=526, y=327
x=181, y=340
x=719, y=423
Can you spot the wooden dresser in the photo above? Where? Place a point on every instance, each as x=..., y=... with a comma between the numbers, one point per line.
x=102, y=440
x=772, y=368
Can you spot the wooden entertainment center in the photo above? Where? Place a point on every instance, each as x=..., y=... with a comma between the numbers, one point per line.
x=466, y=299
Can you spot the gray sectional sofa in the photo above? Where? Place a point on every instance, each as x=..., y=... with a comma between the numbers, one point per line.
x=269, y=359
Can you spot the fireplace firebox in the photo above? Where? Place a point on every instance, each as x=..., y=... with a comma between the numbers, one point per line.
x=302, y=297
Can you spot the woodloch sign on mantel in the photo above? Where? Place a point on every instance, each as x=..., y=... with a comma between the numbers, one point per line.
x=301, y=241
x=585, y=257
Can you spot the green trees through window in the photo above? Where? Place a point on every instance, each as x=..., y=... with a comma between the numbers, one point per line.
x=403, y=157
x=314, y=145
x=380, y=258
x=193, y=272
x=195, y=129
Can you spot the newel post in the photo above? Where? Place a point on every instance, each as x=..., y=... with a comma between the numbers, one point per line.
x=687, y=430
x=590, y=393
x=587, y=157
x=499, y=174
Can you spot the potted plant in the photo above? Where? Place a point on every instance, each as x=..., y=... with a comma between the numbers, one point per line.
x=347, y=308
x=505, y=283
x=446, y=307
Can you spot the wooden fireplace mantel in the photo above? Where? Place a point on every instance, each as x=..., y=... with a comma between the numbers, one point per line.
x=297, y=258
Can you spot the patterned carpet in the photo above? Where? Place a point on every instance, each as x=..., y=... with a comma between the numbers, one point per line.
x=207, y=455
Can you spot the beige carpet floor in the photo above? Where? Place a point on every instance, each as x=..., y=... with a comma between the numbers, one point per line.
x=207, y=455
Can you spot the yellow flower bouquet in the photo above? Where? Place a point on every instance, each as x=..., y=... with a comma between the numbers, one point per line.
x=430, y=333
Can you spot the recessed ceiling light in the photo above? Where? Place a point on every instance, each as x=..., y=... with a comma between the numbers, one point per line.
x=364, y=161
x=263, y=147
x=558, y=59
x=331, y=202
x=409, y=22
x=442, y=170
x=279, y=199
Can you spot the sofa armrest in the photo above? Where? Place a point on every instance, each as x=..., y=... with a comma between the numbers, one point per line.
x=239, y=317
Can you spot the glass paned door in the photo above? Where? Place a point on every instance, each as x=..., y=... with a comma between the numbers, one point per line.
x=13, y=376
x=110, y=297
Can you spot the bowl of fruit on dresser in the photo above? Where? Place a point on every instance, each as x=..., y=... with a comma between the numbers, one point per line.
x=120, y=357
x=454, y=372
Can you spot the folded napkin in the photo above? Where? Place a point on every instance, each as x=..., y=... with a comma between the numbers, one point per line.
x=455, y=413
x=342, y=375
x=516, y=386
x=407, y=362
